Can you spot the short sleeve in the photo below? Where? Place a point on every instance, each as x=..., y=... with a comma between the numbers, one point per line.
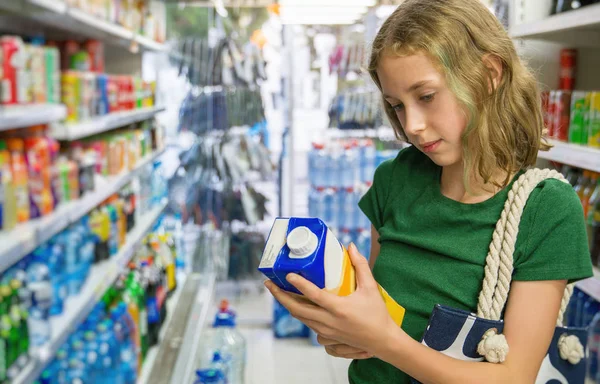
x=373, y=202
x=555, y=245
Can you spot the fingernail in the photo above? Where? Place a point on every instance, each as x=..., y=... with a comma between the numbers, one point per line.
x=353, y=247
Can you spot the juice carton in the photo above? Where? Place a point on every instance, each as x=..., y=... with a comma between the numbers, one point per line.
x=307, y=247
x=52, y=68
x=39, y=167
x=13, y=72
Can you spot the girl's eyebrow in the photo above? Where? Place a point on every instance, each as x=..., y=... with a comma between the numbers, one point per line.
x=414, y=87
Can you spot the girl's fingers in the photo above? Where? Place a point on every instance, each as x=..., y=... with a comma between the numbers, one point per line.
x=353, y=356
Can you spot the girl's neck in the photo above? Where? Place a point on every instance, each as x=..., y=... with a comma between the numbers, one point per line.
x=453, y=185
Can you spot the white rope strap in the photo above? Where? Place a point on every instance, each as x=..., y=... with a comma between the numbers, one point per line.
x=499, y=261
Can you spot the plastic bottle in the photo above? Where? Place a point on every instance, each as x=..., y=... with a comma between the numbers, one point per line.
x=8, y=198
x=20, y=178
x=363, y=243
x=332, y=208
x=369, y=161
x=159, y=188
x=108, y=353
x=230, y=345
x=588, y=191
x=348, y=166
x=40, y=286
x=317, y=162
x=348, y=218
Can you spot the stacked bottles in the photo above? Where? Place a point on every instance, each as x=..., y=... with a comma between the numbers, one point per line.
x=111, y=345
x=340, y=173
x=224, y=356
x=584, y=311
x=355, y=110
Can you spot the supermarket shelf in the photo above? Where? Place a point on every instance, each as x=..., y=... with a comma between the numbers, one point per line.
x=76, y=131
x=572, y=154
x=185, y=349
x=21, y=116
x=173, y=304
x=26, y=237
x=580, y=27
x=57, y=14
x=591, y=286
x=101, y=277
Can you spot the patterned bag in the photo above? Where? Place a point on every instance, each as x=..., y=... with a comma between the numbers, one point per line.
x=478, y=337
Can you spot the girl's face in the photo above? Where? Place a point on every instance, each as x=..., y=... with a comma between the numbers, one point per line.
x=430, y=114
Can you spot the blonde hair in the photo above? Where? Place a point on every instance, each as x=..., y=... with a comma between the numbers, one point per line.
x=505, y=128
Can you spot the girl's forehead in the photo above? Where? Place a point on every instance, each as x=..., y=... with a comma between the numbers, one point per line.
x=417, y=64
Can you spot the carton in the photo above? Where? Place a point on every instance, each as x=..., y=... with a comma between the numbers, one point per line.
x=306, y=246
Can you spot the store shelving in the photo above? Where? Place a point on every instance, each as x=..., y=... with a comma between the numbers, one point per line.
x=182, y=341
x=76, y=131
x=101, y=277
x=579, y=156
x=26, y=237
x=27, y=115
x=57, y=14
x=579, y=27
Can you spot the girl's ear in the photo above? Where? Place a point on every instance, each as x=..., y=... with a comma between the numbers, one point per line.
x=494, y=65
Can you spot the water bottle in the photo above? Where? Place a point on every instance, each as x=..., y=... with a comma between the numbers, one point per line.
x=77, y=373
x=580, y=298
x=317, y=164
x=348, y=218
x=334, y=168
x=369, y=161
x=40, y=287
x=363, y=220
x=346, y=237
x=313, y=202
x=332, y=208
x=159, y=184
x=590, y=308
x=348, y=165
x=229, y=344
x=363, y=243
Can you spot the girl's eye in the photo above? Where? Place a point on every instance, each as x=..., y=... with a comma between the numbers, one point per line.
x=428, y=98
x=398, y=107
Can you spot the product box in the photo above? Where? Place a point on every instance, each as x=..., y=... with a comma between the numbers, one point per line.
x=306, y=246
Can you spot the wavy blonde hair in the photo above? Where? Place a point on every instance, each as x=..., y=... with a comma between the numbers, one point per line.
x=505, y=128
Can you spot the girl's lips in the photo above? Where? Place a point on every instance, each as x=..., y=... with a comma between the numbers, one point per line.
x=431, y=146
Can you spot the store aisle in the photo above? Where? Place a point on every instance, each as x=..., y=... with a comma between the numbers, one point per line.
x=276, y=361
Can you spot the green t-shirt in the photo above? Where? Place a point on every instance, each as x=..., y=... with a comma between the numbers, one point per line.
x=433, y=248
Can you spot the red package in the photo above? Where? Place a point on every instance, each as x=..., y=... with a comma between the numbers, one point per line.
x=95, y=50
x=568, y=66
x=14, y=81
x=70, y=48
x=113, y=94
x=545, y=96
x=562, y=115
x=551, y=110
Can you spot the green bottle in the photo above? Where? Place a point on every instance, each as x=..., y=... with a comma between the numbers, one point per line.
x=12, y=334
x=3, y=339
x=20, y=307
x=17, y=332
x=140, y=298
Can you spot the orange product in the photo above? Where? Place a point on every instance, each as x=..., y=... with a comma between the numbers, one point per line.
x=19, y=172
x=8, y=202
x=39, y=167
x=587, y=192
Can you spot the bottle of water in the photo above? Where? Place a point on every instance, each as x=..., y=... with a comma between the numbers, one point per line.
x=159, y=184
x=348, y=216
x=348, y=166
x=332, y=212
x=210, y=376
x=40, y=287
x=363, y=243
x=334, y=167
x=317, y=162
x=369, y=161
x=363, y=220
x=346, y=237
x=229, y=344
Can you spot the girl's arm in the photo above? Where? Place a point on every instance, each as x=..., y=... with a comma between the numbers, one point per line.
x=361, y=320
x=375, y=247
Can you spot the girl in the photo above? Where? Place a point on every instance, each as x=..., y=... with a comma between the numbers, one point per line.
x=454, y=87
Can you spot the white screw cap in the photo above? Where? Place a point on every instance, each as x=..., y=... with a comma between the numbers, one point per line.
x=302, y=242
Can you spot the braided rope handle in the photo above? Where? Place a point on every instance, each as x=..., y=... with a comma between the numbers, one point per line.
x=499, y=261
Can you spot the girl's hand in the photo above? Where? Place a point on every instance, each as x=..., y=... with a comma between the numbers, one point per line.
x=359, y=320
x=337, y=349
